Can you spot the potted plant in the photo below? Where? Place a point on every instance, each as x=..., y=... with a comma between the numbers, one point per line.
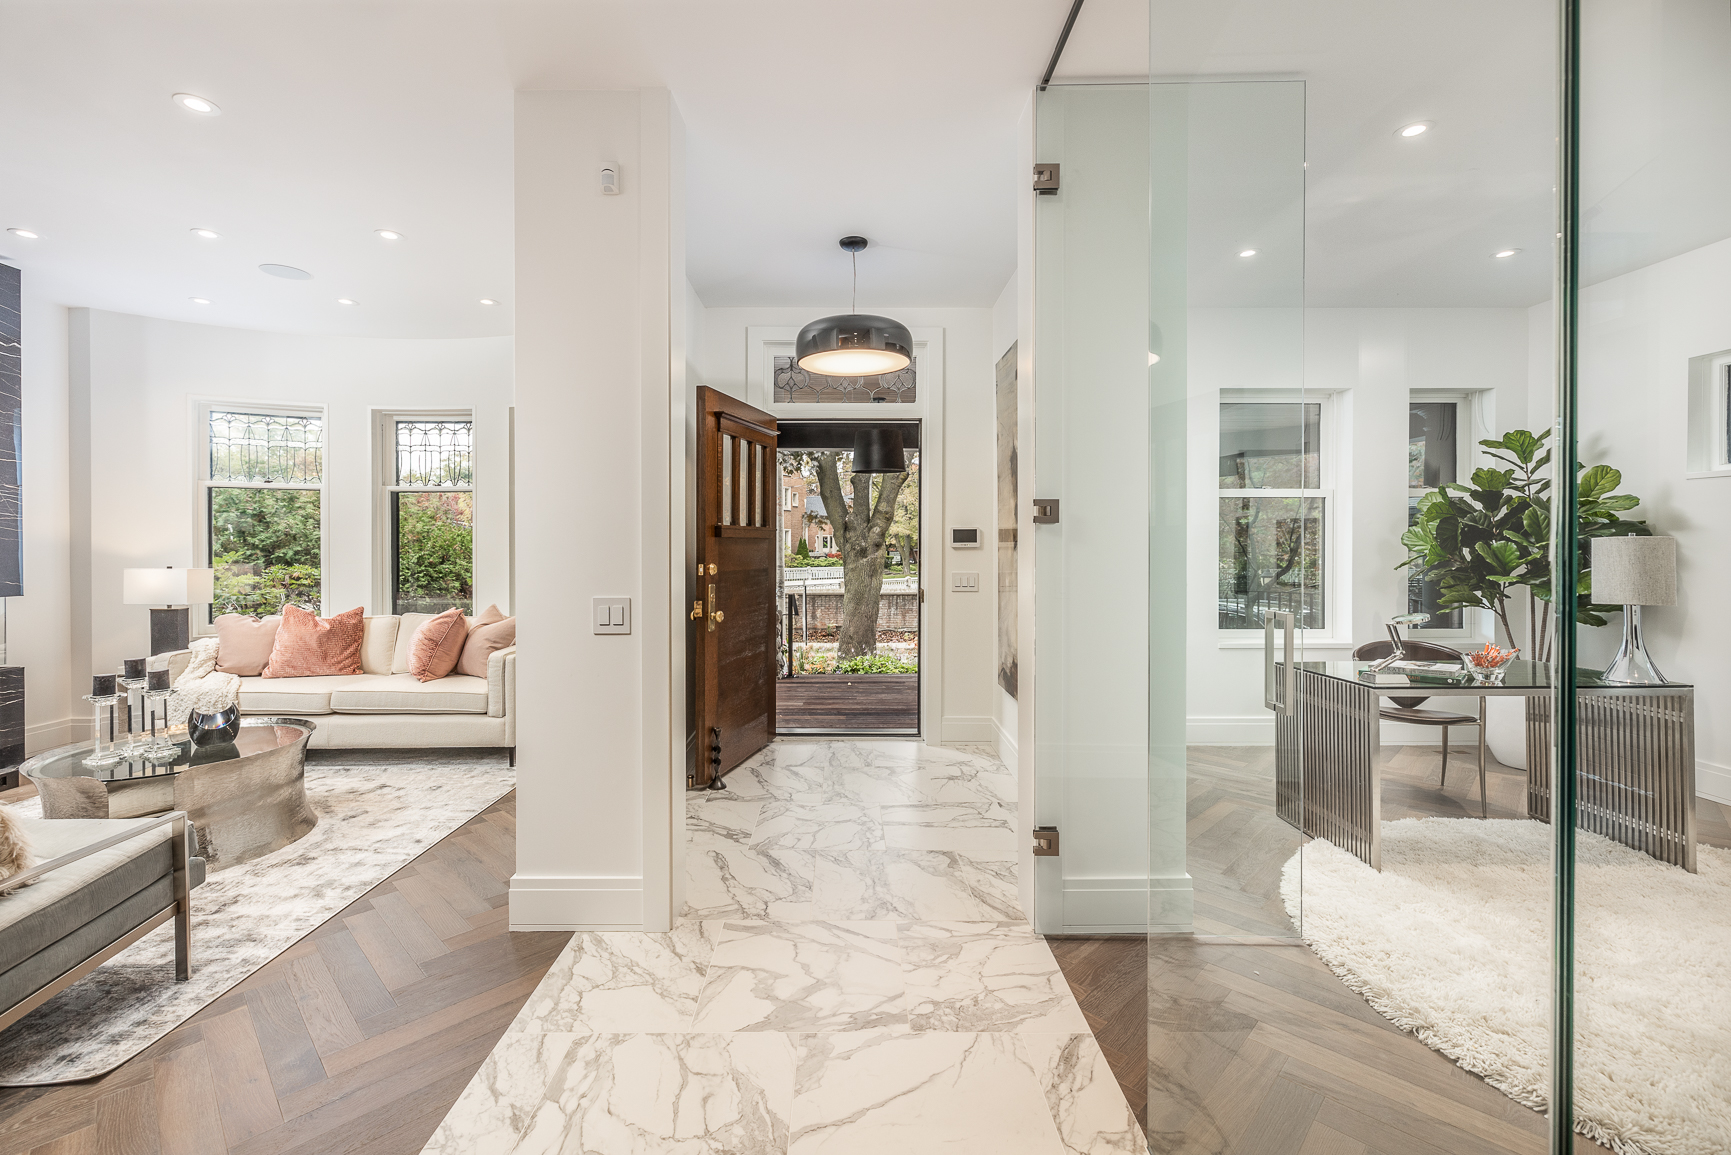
x=1481, y=541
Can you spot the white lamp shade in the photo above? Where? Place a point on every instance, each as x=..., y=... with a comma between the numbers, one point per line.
x=168, y=587
x=1634, y=571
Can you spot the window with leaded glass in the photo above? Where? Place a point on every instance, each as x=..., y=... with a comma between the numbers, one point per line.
x=263, y=503
x=1274, y=511
x=430, y=507
x=798, y=385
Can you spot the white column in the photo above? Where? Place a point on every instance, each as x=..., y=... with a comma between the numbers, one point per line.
x=599, y=290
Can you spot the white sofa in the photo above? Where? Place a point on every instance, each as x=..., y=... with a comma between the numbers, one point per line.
x=384, y=706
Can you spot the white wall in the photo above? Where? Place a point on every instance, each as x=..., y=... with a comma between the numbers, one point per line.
x=1637, y=333
x=1368, y=360
x=39, y=624
x=601, y=419
x=135, y=382
x=969, y=635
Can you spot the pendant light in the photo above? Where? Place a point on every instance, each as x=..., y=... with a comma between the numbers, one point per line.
x=854, y=344
x=878, y=449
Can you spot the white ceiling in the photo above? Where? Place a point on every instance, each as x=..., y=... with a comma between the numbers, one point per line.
x=343, y=117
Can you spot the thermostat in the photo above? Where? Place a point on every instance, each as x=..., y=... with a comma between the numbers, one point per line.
x=964, y=539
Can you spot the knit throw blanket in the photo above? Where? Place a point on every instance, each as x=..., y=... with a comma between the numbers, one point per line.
x=201, y=688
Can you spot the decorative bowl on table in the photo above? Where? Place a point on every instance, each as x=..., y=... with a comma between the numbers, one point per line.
x=1490, y=665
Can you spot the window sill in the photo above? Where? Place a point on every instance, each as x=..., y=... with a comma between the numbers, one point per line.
x=1698, y=474
x=1305, y=644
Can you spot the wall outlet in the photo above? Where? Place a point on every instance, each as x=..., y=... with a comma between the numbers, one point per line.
x=611, y=615
x=964, y=583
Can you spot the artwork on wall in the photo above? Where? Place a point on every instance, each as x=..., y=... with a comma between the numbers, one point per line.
x=1007, y=656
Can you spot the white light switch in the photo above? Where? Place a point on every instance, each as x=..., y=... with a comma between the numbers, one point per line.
x=964, y=583
x=612, y=615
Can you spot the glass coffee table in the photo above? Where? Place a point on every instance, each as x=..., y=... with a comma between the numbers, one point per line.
x=247, y=797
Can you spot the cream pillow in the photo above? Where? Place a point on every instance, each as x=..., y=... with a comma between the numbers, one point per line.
x=244, y=644
x=378, y=644
x=407, y=624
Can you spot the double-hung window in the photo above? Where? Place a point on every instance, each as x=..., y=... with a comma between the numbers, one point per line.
x=1438, y=453
x=428, y=497
x=1275, y=508
x=262, y=505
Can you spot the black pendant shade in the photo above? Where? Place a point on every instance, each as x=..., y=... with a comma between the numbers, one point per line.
x=878, y=449
x=854, y=345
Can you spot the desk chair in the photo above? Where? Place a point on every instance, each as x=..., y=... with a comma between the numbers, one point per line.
x=1405, y=709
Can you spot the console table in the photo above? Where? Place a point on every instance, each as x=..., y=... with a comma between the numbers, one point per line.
x=1636, y=752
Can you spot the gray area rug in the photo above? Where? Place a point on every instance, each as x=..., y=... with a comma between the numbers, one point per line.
x=376, y=812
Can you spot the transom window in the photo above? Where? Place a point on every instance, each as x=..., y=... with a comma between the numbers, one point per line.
x=1274, y=511
x=795, y=384
x=430, y=512
x=263, y=504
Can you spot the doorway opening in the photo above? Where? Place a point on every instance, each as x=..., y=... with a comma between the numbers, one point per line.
x=848, y=593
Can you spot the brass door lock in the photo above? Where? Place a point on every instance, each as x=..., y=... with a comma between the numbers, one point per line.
x=696, y=610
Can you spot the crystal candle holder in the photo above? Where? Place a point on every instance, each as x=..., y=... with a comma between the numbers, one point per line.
x=103, y=754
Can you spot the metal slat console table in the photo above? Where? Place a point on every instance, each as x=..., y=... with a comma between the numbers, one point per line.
x=1637, y=750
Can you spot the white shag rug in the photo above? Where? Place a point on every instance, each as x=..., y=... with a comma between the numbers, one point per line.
x=1452, y=941
x=373, y=818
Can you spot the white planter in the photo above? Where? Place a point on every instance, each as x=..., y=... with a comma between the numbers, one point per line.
x=1506, y=730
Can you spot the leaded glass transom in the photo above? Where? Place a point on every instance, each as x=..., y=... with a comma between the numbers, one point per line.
x=797, y=385
x=266, y=447
x=436, y=454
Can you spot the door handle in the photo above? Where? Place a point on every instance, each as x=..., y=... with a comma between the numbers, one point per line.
x=716, y=617
x=1286, y=700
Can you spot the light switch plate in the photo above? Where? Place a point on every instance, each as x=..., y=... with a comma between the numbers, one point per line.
x=611, y=615
x=962, y=582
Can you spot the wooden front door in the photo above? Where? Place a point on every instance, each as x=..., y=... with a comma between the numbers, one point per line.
x=733, y=611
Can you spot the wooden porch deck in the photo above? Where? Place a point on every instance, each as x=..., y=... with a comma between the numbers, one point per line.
x=848, y=703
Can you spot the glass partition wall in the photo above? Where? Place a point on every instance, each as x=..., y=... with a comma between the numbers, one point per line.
x=1317, y=309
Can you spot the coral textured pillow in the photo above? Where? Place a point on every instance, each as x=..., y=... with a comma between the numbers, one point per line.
x=243, y=644
x=485, y=618
x=483, y=641
x=437, y=645
x=308, y=645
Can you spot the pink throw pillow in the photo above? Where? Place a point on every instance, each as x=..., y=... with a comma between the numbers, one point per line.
x=243, y=644
x=308, y=646
x=485, y=618
x=436, y=646
x=483, y=642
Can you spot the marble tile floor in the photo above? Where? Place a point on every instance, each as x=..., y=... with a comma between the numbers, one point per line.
x=854, y=974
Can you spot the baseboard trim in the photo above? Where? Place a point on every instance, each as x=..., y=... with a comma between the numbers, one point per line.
x=1006, y=746
x=575, y=903
x=1713, y=782
x=963, y=728
x=1126, y=905
x=1259, y=731
x=49, y=735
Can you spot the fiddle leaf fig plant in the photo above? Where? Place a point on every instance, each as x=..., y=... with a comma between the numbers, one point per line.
x=1483, y=540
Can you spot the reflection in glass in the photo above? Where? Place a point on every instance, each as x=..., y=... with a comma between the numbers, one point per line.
x=1271, y=560
x=1432, y=460
x=1270, y=445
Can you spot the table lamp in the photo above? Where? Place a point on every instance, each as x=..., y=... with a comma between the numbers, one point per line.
x=1634, y=572
x=168, y=588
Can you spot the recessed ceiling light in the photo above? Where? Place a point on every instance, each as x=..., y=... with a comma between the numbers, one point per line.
x=1417, y=129
x=199, y=300
x=388, y=234
x=488, y=301
x=197, y=104
x=344, y=301
x=207, y=234
x=1247, y=253
x=287, y=272
x=25, y=233
x=1505, y=253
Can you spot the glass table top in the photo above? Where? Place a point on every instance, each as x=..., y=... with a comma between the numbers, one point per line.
x=1523, y=677
x=257, y=736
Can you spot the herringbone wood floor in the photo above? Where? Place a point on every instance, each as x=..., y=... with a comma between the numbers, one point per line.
x=356, y=1039
x=1261, y=1050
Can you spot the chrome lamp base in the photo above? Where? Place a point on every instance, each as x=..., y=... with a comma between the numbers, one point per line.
x=1633, y=665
